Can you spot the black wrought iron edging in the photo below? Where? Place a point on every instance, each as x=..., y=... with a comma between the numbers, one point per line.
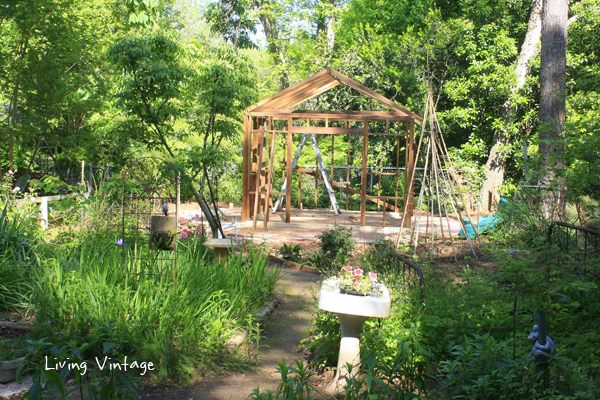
x=413, y=266
x=586, y=231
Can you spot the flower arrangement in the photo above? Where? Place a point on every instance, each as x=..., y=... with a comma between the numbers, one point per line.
x=357, y=281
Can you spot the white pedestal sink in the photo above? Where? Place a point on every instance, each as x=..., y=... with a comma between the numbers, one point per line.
x=352, y=311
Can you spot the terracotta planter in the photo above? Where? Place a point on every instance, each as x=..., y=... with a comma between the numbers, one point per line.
x=8, y=369
x=163, y=232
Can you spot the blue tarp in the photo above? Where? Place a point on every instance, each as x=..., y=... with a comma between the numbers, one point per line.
x=485, y=223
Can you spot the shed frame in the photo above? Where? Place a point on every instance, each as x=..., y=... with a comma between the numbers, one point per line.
x=260, y=136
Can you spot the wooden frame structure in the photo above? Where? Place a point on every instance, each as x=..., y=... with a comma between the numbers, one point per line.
x=274, y=116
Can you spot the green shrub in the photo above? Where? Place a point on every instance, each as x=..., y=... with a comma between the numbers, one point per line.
x=338, y=239
x=291, y=253
x=483, y=368
x=336, y=247
x=294, y=384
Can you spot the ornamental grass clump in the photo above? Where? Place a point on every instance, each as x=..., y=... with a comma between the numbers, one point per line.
x=181, y=326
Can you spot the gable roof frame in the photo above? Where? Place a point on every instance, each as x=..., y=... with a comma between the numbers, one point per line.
x=320, y=83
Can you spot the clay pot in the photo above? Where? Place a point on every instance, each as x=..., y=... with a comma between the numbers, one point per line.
x=163, y=232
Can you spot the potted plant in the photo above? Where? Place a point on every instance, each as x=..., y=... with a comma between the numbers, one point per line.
x=355, y=281
x=163, y=230
x=12, y=356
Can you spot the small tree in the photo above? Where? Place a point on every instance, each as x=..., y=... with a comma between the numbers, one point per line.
x=204, y=88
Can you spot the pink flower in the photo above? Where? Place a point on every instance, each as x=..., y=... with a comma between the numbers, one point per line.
x=354, y=277
x=358, y=272
x=373, y=276
x=199, y=231
x=348, y=268
x=355, y=284
x=185, y=234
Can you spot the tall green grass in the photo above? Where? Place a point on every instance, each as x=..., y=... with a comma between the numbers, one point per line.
x=16, y=259
x=178, y=325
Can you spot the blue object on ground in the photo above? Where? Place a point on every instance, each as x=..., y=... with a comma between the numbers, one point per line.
x=485, y=223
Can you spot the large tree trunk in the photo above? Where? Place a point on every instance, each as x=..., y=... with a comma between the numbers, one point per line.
x=553, y=69
x=330, y=31
x=495, y=165
x=272, y=34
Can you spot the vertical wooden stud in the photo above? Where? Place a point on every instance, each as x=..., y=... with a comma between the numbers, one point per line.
x=397, y=165
x=245, y=169
x=269, y=177
x=411, y=166
x=288, y=196
x=379, y=193
x=347, y=170
x=299, y=190
x=363, y=183
x=259, y=173
x=332, y=161
x=317, y=175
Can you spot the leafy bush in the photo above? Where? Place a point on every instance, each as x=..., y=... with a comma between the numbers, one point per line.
x=483, y=368
x=338, y=239
x=88, y=363
x=336, y=247
x=395, y=368
x=291, y=253
x=294, y=384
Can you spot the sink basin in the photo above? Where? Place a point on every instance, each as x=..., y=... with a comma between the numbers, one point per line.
x=364, y=306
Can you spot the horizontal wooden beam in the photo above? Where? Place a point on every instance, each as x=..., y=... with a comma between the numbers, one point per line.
x=332, y=115
x=327, y=130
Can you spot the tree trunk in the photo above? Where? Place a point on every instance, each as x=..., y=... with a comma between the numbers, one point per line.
x=330, y=31
x=272, y=34
x=552, y=103
x=494, y=167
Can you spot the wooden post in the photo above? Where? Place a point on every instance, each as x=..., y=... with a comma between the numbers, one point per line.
x=347, y=170
x=299, y=190
x=396, y=209
x=269, y=176
x=363, y=183
x=384, y=207
x=411, y=166
x=246, y=163
x=259, y=170
x=379, y=192
x=316, y=175
x=332, y=159
x=288, y=194
x=253, y=163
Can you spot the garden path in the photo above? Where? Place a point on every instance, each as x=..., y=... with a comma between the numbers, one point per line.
x=283, y=334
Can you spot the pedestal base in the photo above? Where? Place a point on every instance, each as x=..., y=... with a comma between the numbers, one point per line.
x=349, y=351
